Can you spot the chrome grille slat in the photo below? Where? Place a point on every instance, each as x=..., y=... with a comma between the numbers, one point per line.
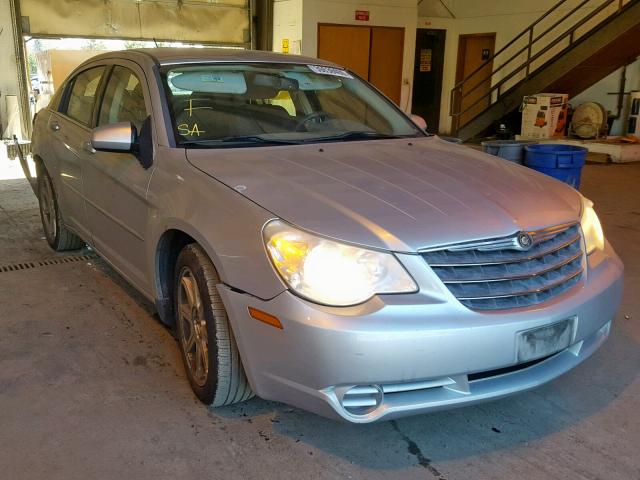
x=562, y=263
x=488, y=278
x=522, y=293
x=469, y=258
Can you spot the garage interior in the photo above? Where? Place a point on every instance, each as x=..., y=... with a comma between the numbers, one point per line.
x=92, y=384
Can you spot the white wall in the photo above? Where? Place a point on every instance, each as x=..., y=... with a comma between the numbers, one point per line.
x=600, y=93
x=297, y=20
x=505, y=18
x=287, y=24
x=8, y=66
x=504, y=26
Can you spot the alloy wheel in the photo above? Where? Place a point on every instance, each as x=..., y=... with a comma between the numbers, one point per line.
x=193, y=327
x=48, y=209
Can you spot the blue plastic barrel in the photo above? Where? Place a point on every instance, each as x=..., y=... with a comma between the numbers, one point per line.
x=511, y=150
x=563, y=162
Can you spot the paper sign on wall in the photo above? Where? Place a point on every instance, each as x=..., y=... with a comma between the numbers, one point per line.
x=285, y=45
x=425, y=59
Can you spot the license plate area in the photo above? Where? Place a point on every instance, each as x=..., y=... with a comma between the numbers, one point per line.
x=546, y=340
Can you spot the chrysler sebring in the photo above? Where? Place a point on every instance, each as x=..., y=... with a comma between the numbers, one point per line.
x=308, y=242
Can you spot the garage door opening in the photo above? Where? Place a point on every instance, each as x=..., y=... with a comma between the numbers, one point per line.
x=50, y=61
x=224, y=23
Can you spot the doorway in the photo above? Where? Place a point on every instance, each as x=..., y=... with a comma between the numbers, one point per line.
x=427, y=76
x=374, y=53
x=474, y=51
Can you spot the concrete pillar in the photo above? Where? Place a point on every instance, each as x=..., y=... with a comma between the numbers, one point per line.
x=10, y=100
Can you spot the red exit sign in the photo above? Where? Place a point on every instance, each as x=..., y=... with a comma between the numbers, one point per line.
x=362, y=15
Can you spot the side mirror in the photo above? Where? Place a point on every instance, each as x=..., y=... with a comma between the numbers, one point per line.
x=118, y=137
x=419, y=121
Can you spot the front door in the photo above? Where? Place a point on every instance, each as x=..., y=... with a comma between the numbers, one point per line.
x=427, y=76
x=115, y=183
x=385, y=61
x=374, y=53
x=474, y=54
x=348, y=46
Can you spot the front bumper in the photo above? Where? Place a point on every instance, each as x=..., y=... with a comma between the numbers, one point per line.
x=426, y=351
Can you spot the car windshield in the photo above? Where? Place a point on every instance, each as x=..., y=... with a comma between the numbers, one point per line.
x=221, y=105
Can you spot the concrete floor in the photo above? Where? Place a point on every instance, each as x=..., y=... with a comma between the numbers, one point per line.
x=92, y=387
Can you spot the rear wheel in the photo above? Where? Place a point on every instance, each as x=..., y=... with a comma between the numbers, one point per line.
x=58, y=236
x=209, y=351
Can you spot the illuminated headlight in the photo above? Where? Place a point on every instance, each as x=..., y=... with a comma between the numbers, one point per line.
x=591, y=228
x=332, y=273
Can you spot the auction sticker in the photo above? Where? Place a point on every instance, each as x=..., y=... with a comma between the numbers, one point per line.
x=336, y=72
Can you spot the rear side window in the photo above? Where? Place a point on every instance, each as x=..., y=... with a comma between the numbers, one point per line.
x=83, y=95
x=123, y=99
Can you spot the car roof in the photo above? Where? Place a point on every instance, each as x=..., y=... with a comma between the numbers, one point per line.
x=172, y=56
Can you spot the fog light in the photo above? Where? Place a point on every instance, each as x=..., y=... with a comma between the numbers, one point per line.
x=362, y=399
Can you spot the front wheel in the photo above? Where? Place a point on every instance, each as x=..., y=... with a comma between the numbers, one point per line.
x=209, y=351
x=58, y=236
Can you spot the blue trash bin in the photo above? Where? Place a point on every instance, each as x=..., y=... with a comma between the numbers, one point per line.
x=511, y=150
x=563, y=162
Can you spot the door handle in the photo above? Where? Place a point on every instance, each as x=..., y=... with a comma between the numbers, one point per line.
x=55, y=126
x=87, y=147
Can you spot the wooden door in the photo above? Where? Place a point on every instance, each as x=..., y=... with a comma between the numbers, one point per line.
x=385, y=64
x=374, y=53
x=347, y=46
x=427, y=76
x=473, y=51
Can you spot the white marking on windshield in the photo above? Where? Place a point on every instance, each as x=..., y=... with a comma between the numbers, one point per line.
x=336, y=72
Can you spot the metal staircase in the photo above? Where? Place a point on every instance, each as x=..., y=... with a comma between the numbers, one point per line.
x=569, y=48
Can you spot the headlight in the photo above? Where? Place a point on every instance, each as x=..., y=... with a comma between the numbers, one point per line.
x=332, y=273
x=591, y=228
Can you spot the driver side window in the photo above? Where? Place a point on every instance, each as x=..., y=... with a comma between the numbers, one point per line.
x=123, y=99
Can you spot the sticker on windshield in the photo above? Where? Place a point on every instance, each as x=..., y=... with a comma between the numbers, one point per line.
x=209, y=77
x=336, y=72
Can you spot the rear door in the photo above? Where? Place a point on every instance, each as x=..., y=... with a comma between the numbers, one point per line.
x=115, y=183
x=70, y=129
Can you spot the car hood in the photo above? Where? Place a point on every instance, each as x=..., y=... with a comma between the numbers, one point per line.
x=401, y=195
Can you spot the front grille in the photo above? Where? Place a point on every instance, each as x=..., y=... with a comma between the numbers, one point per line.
x=498, y=274
x=472, y=377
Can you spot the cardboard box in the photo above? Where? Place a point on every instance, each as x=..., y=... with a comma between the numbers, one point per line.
x=544, y=115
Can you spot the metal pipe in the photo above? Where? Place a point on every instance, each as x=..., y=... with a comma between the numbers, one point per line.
x=21, y=63
x=620, y=93
x=253, y=19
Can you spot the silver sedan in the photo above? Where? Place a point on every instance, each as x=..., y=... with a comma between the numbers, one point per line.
x=310, y=243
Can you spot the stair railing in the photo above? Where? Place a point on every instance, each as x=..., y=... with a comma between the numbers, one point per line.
x=459, y=93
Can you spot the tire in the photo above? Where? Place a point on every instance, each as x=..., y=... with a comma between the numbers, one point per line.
x=202, y=325
x=59, y=237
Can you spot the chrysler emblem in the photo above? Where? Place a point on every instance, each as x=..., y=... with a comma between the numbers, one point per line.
x=525, y=240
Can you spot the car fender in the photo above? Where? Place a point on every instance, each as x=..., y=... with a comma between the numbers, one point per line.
x=224, y=223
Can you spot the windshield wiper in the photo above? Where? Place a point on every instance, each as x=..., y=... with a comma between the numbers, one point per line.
x=358, y=135
x=238, y=139
x=259, y=139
